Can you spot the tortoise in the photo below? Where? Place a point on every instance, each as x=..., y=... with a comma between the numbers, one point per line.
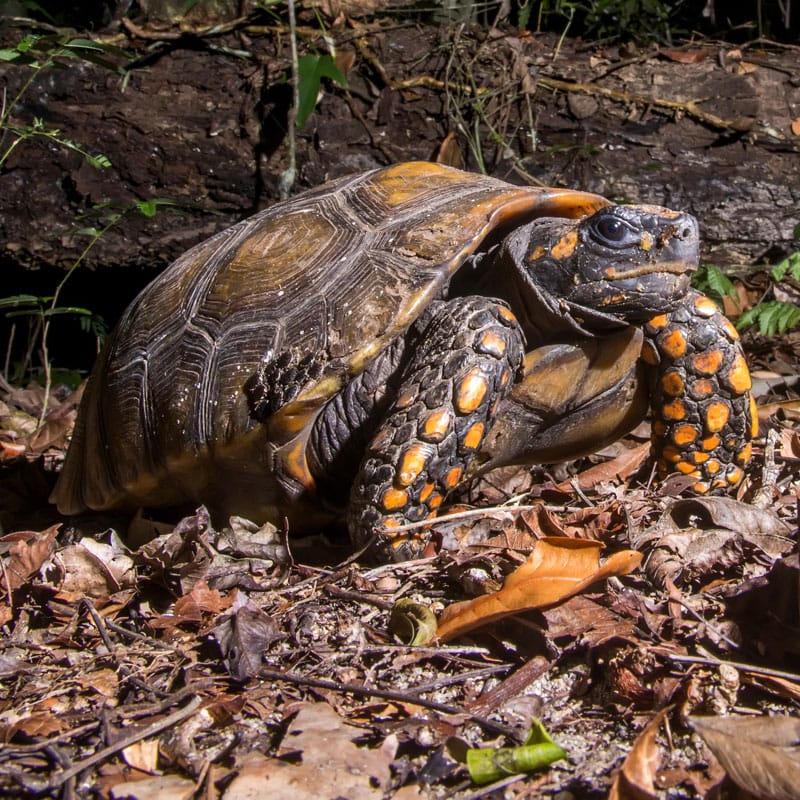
x=365, y=348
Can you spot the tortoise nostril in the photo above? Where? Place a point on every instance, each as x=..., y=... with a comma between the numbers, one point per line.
x=686, y=232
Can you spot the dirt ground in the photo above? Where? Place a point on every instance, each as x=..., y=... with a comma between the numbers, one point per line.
x=234, y=662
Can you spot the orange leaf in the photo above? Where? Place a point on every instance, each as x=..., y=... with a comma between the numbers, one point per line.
x=636, y=779
x=557, y=568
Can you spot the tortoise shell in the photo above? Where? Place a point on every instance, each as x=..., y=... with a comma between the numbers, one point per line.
x=319, y=284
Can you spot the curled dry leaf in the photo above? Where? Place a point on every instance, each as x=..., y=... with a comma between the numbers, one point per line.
x=636, y=778
x=761, y=755
x=557, y=568
x=700, y=538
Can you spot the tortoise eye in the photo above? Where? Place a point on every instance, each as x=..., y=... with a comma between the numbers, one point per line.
x=612, y=230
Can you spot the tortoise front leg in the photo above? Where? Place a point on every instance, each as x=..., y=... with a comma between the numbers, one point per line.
x=704, y=415
x=464, y=364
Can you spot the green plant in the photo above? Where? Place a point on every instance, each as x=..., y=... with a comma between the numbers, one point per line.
x=775, y=317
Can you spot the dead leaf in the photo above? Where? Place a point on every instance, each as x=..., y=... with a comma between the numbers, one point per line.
x=450, y=152
x=557, y=568
x=761, y=755
x=619, y=468
x=142, y=755
x=636, y=778
x=796, y=126
x=331, y=765
x=95, y=569
x=700, y=538
x=164, y=787
x=685, y=56
x=26, y=556
x=243, y=635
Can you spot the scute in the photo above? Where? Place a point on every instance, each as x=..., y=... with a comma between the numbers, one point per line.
x=339, y=271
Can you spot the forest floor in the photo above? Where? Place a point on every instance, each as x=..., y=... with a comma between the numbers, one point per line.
x=239, y=662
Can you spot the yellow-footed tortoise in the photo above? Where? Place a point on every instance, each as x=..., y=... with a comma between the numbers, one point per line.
x=365, y=348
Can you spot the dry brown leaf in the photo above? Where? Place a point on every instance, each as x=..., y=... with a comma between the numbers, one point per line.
x=94, y=569
x=761, y=755
x=26, y=556
x=450, y=152
x=636, y=778
x=202, y=600
x=331, y=765
x=686, y=56
x=164, y=787
x=796, y=126
x=142, y=755
x=557, y=568
x=619, y=468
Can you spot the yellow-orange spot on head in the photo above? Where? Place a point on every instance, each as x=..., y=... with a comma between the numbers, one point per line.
x=738, y=378
x=412, y=462
x=734, y=476
x=474, y=437
x=709, y=362
x=492, y=343
x=435, y=500
x=687, y=469
x=717, y=415
x=753, y=417
x=729, y=329
x=705, y=306
x=647, y=241
x=453, y=477
x=394, y=499
x=471, y=391
x=699, y=457
x=427, y=489
x=507, y=314
x=675, y=410
x=658, y=322
x=745, y=454
x=702, y=387
x=712, y=466
x=683, y=435
x=435, y=427
x=711, y=442
x=650, y=354
x=566, y=246
x=673, y=344
x=672, y=384
x=537, y=253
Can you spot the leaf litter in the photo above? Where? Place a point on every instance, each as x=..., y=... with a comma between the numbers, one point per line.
x=142, y=659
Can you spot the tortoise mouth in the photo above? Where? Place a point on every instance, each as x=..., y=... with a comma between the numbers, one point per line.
x=671, y=267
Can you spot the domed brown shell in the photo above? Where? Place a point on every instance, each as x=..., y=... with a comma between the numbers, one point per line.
x=335, y=273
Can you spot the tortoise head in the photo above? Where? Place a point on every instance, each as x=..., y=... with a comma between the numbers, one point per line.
x=629, y=262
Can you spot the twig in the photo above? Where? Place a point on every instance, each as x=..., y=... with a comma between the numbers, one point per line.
x=741, y=666
x=289, y=174
x=470, y=512
x=151, y=730
x=384, y=694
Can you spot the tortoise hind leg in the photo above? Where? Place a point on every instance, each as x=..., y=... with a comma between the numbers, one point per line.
x=463, y=366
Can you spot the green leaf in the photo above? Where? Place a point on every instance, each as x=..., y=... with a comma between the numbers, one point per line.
x=76, y=310
x=790, y=264
x=771, y=318
x=715, y=283
x=539, y=750
x=311, y=70
x=17, y=300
